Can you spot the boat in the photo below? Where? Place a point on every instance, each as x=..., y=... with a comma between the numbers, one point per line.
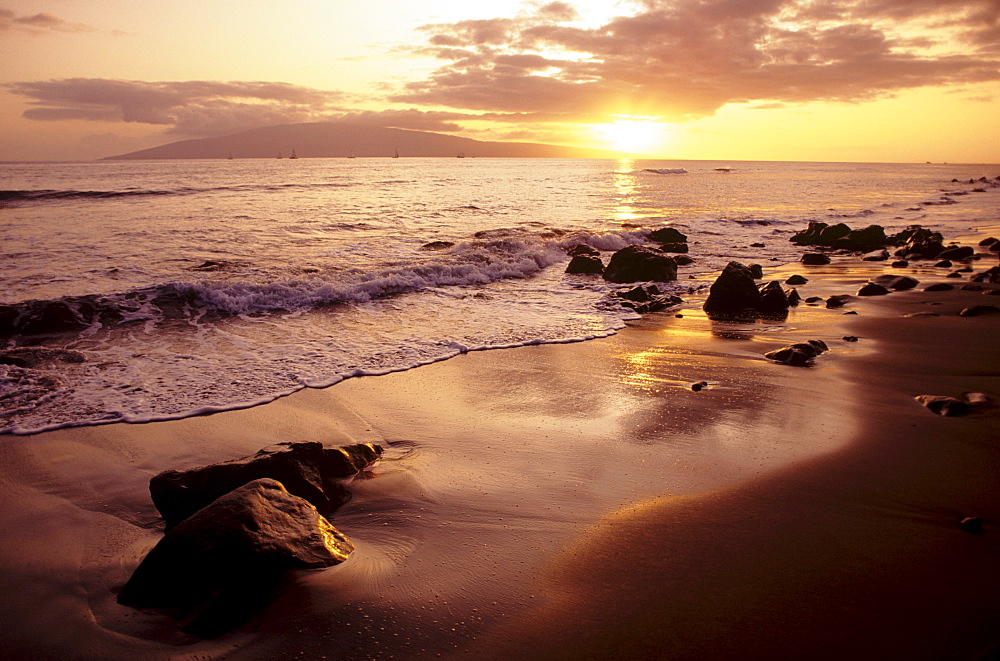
x=230, y=157
x=293, y=154
x=351, y=154
x=461, y=154
x=395, y=153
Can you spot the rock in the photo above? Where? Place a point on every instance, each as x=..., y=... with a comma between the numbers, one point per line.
x=940, y=286
x=796, y=280
x=674, y=247
x=872, y=289
x=957, y=253
x=683, y=260
x=944, y=264
x=638, y=263
x=987, y=242
x=668, y=235
x=700, y=385
x=837, y=301
x=989, y=275
x=218, y=567
x=756, y=270
x=954, y=274
x=734, y=292
x=876, y=256
x=305, y=468
x=813, y=300
x=583, y=249
x=792, y=296
x=814, y=259
x=797, y=355
x=863, y=240
x=34, y=356
x=850, y=338
x=920, y=314
x=900, y=264
x=773, y=299
x=758, y=245
x=972, y=287
x=437, y=245
x=897, y=282
x=972, y=524
x=585, y=264
x=979, y=310
x=647, y=298
x=943, y=405
x=820, y=234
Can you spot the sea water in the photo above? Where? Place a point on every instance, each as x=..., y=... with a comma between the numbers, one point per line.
x=195, y=286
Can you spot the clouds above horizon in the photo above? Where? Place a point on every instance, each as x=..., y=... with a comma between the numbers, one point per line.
x=39, y=23
x=206, y=108
x=682, y=59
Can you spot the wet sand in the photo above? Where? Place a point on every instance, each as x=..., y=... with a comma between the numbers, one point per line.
x=580, y=501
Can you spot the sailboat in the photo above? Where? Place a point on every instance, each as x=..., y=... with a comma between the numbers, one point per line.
x=352, y=154
x=293, y=154
x=395, y=153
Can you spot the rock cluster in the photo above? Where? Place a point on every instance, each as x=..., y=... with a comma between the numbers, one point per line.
x=800, y=354
x=736, y=294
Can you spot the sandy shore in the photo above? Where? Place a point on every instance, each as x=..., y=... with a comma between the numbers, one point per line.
x=580, y=501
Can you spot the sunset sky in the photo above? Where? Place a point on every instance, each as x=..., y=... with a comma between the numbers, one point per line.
x=825, y=80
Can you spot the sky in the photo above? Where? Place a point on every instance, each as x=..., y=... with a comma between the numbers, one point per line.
x=808, y=80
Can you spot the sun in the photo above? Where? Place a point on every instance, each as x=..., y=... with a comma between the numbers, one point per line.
x=637, y=135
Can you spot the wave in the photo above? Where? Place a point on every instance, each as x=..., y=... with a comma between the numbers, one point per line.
x=478, y=261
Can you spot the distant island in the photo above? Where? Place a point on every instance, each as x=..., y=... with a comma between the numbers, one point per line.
x=340, y=139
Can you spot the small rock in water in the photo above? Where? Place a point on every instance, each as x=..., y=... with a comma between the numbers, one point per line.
x=584, y=264
x=850, y=338
x=943, y=405
x=944, y=263
x=437, y=245
x=851, y=312
x=814, y=259
x=921, y=314
x=940, y=286
x=897, y=282
x=796, y=280
x=979, y=310
x=800, y=354
x=838, y=301
x=972, y=524
x=872, y=289
x=700, y=385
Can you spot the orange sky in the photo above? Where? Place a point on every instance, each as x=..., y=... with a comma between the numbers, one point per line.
x=846, y=80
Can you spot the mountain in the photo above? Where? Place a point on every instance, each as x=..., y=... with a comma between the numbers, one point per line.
x=337, y=139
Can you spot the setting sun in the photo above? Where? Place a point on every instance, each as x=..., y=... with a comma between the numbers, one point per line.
x=634, y=135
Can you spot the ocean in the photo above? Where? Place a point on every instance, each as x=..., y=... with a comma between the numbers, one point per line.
x=175, y=288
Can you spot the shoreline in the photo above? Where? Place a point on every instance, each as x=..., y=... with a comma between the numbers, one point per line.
x=520, y=487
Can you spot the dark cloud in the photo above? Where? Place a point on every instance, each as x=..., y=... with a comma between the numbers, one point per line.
x=186, y=108
x=37, y=23
x=686, y=58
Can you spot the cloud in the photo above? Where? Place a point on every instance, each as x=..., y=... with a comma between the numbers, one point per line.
x=681, y=59
x=38, y=23
x=186, y=107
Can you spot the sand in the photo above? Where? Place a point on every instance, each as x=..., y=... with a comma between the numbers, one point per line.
x=580, y=500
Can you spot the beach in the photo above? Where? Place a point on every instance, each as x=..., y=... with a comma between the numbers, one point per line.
x=581, y=500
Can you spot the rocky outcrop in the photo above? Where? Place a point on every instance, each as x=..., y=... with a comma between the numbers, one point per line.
x=872, y=289
x=306, y=469
x=979, y=310
x=36, y=356
x=640, y=264
x=896, y=282
x=647, y=298
x=590, y=264
x=841, y=236
x=814, y=259
x=943, y=405
x=735, y=293
x=800, y=354
x=221, y=565
x=668, y=235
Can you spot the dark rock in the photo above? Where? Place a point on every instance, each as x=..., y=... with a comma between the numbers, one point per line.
x=838, y=301
x=211, y=265
x=957, y=253
x=583, y=249
x=674, y=247
x=814, y=299
x=992, y=292
x=988, y=241
x=217, y=568
x=792, y=296
x=773, y=299
x=796, y=280
x=820, y=234
x=971, y=287
x=851, y=312
x=876, y=256
x=940, y=286
x=798, y=355
x=989, y=275
x=814, y=259
x=35, y=356
x=897, y=282
x=668, y=235
x=994, y=247
x=850, y=338
x=979, y=310
x=683, y=260
x=585, y=264
x=863, y=240
x=437, y=245
x=647, y=298
x=900, y=264
x=943, y=405
x=734, y=292
x=756, y=270
x=944, y=264
x=954, y=274
x=700, y=385
x=306, y=468
x=872, y=289
x=638, y=263
x=757, y=245
x=972, y=524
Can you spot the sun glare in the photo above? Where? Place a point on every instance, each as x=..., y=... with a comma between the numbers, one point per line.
x=633, y=135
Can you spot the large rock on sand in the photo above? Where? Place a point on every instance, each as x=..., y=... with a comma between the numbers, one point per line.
x=306, y=469
x=800, y=354
x=640, y=264
x=734, y=292
x=217, y=568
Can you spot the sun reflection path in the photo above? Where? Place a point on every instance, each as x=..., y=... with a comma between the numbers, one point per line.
x=625, y=190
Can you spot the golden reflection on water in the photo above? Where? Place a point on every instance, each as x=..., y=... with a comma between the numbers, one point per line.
x=625, y=187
